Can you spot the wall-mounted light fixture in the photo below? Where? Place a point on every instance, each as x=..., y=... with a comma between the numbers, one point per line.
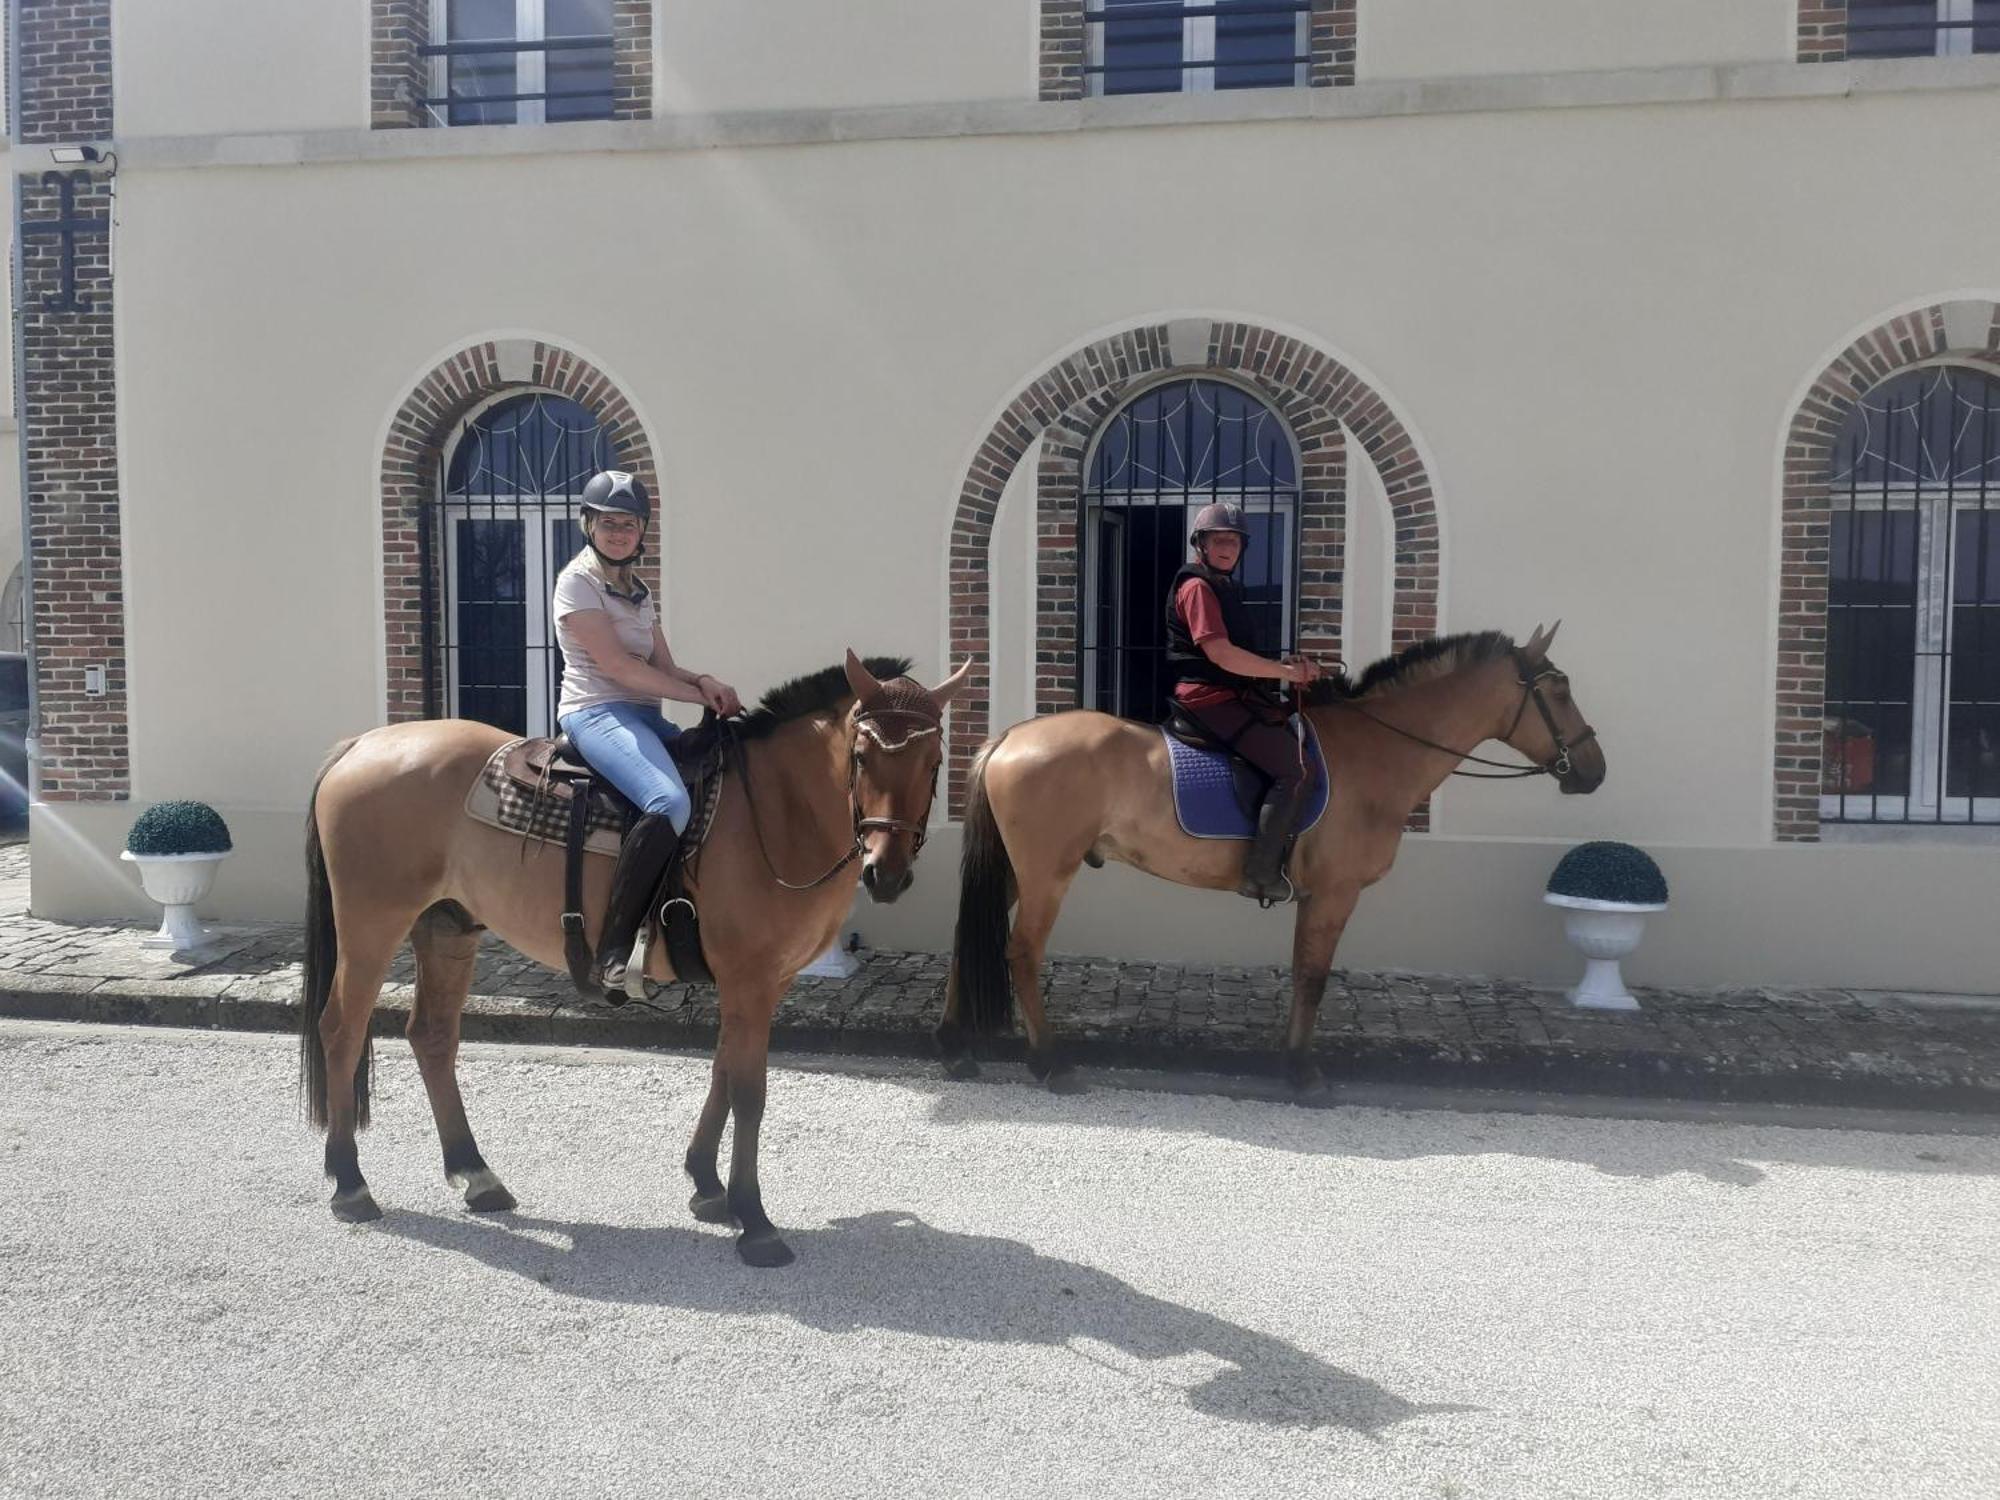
x=74, y=156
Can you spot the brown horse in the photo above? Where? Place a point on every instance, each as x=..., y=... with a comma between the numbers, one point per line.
x=835, y=774
x=1052, y=794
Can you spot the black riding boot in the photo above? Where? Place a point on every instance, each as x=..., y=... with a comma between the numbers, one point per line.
x=642, y=862
x=1263, y=877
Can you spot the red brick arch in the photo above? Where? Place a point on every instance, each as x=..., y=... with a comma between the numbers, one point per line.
x=1960, y=331
x=411, y=466
x=1319, y=398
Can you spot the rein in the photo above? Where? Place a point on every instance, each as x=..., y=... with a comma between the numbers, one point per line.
x=1531, y=691
x=866, y=726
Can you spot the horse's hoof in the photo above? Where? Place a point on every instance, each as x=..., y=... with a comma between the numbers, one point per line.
x=1314, y=1095
x=711, y=1208
x=764, y=1251
x=489, y=1197
x=1065, y=1080
x=357, y=1207
x=964, y=1066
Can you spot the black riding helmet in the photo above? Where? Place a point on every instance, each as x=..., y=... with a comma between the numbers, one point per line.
x=616, y=490
x=1222, y=515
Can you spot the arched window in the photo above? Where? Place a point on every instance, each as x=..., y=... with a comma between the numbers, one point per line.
x=1154, y=463
x=512, y=483
x=1913, y=604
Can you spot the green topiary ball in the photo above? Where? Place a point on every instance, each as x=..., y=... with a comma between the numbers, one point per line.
x=179, y=828
x=1607, y=871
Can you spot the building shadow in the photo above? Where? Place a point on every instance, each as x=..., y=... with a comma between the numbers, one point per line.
x=1637, y=1148
x=891, y=1271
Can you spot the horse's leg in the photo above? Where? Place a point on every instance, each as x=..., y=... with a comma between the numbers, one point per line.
x=446, y=954
x=1034, y=920
x=710, y=1202
x=744, y=1055
x=368, y=945
x=1315, y=935
x=952, y=1043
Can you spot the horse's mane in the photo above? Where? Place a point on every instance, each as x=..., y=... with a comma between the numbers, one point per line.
x=813, y=693
x=1418, y=663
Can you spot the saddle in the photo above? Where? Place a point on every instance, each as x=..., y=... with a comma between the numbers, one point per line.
x=555, y=775
x=1216, y=792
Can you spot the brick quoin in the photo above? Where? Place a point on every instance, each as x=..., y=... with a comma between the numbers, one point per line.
x=1806, y=529
x=1320, y=400
x=399, y=75
x=1822, y=31
x=1331, y=28
x=412, y=469
x=69, y=429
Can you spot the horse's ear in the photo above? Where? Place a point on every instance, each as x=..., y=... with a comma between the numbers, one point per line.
x=946, y=690
x=1538, y=644
x=859, y=679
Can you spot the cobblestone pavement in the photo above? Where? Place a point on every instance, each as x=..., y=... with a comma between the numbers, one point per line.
x=1815, y=1046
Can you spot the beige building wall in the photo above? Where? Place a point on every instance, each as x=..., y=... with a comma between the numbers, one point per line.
x=808, y=54
x=1468, y=38
x=218, y=67
x=1597, y=363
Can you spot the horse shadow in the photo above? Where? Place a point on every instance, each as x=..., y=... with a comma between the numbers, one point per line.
x=891, y=1271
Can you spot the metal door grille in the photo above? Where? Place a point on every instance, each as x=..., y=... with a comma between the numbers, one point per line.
x=502, y=528
x=1154, y=464
x=1912, y=730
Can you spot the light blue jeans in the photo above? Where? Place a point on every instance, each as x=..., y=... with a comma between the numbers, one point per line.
x=625, y=743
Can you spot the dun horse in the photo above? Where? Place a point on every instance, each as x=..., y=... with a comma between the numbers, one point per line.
x=1055, y=793
x=832, y=767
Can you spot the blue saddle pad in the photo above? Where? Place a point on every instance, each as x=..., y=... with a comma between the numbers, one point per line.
x=1205, y=791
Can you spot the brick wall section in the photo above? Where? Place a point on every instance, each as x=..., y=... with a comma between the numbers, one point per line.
x=1321, y=401
x=65, y=70
x=74, y=533
x=1822, y=30
x=1806, y=530
x=1335, y=34
x=1062, y=50
x=1332, y=32
x=411, y=469
x=69, y=419
x=632, y=60
x=398, y=77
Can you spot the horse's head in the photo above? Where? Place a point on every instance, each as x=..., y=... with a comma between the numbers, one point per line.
x=897, y=729
x=1556, y=735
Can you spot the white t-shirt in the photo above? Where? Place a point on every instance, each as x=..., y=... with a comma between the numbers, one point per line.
x=579, y=587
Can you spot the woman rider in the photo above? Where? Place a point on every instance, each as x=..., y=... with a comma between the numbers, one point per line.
x=1220, y=686
x=616, y=669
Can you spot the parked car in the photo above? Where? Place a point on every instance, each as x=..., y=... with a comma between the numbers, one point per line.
x=13, y=736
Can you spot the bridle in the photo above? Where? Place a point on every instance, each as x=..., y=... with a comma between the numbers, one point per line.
x=1530, y=682
x=868, y=727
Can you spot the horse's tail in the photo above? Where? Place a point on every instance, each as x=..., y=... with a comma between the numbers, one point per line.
x=322, y=954
x=985, y=882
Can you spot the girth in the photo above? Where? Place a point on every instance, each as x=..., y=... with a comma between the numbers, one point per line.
x=552, y=768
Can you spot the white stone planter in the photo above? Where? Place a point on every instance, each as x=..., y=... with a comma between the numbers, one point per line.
x=177, y=882
x=1603, y=932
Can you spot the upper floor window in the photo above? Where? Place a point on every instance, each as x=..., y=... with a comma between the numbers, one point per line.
x=1922, y=28
x=520, y=62
x=1193, y=46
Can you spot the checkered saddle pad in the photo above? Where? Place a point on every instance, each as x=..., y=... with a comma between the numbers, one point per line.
x=502, y=802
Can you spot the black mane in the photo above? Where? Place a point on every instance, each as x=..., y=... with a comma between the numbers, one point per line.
x=1443, y=653
x=813, y=693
